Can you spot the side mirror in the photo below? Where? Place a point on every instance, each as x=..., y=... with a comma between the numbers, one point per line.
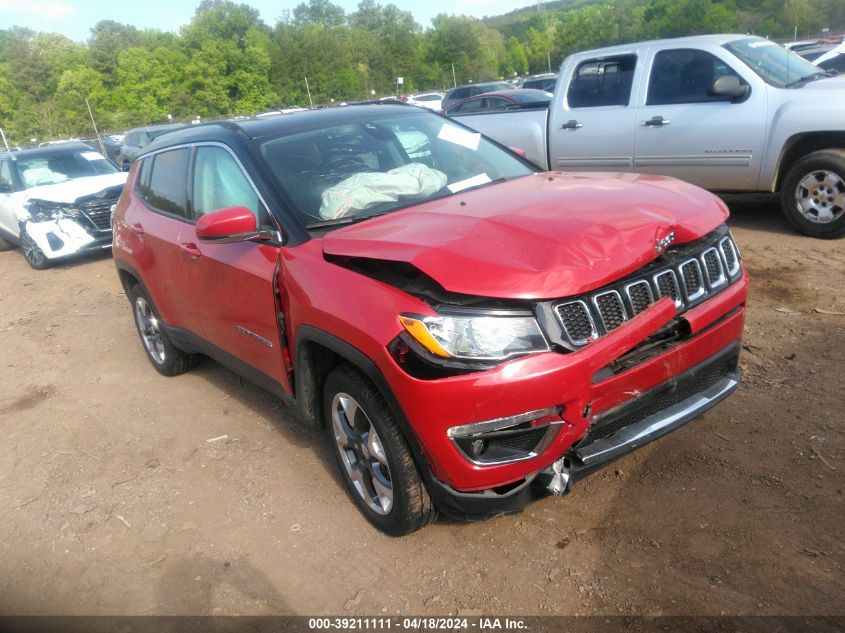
x=517, y=150
x=232, y=224
x=728, y=86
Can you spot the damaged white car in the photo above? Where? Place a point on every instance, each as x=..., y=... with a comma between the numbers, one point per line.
x=56, y=202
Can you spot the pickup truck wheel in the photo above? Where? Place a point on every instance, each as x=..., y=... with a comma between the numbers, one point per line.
x=374, y=458
x=33, y=254
x=167, y=359
x=813, y=194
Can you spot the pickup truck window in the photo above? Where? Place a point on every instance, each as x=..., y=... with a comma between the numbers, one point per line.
x=165, y=189
x=775, y=65
x=602, y=82
x=685, y=75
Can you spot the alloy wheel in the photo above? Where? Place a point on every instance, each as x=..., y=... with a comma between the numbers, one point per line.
x=820, y=196
x=362, y=453
x=31, y=251
x=150, y=330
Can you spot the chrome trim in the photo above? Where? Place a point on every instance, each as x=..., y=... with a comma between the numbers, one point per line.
x=498, y=424
x=722, y=279
x=656, y=278
x=595, y=300
x=631, y=299
x=702, y=289
x=594, y=333
x=735, y=268
x=657, y=425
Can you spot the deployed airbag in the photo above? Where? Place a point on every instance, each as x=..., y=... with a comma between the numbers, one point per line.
x=367, y=189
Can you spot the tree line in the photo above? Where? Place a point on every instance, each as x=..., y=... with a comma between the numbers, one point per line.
x=228, y=62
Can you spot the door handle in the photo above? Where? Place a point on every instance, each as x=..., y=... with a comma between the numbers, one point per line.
x=191, y=249
x=137, y=228
x=572, y=124
x=656, y=121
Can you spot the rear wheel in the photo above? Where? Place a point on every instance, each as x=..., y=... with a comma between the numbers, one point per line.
x=813, y=194
x=167, y=359
x=374, y=458
x=33, y=254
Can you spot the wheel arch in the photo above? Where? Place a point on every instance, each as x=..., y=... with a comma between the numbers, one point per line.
x=317, y=353
x=800, y=145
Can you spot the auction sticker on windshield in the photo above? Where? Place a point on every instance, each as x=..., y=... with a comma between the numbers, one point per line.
x=480, y=179
x=459, y=136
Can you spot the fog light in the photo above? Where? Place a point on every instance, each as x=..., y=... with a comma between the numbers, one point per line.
x=509, y=439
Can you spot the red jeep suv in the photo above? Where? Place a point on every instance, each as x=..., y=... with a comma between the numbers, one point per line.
x=471, y=333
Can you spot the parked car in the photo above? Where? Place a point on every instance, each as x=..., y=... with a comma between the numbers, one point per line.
x=138, y=138
x=470, y=332
x=725, y=112
x=470, y=90
x=504, y=100
x=545, y=81
x=430, y=100
x=833, y=60
x=56, y=201
x=111, y=146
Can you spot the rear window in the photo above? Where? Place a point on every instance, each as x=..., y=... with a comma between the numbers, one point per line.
x=163, y=182
x=602, y=82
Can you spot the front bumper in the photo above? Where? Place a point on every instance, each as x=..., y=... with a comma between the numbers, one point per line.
x=572, y=382
x=640, y=421
x=65, y=237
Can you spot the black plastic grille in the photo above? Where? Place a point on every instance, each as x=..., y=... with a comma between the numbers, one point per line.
x=730, y=255
x=661, y=398
x=524, y=440
x=713, y=266
x=689, y=274
x=611, y=309
x=99, y=213
x=667, y=285
x=640, y=296
x=692, y=278
x=575, y=319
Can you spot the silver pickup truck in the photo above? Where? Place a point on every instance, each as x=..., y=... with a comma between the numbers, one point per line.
x=730, y=113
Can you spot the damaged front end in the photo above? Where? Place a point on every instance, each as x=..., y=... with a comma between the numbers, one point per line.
x=61, y=229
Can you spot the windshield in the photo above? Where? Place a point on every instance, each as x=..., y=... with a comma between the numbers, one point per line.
x=49, y=169
x=776, y=65
x=381, y=163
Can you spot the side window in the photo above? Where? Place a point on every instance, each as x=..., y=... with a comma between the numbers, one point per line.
x=165, y=188
x=685, y=76
x=495, y=103
x=461, y=93
x=219, y=182
x=602, y=82
x=6, y=183
x=470, y=106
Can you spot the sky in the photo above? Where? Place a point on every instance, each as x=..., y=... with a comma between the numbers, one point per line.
x=74, y=18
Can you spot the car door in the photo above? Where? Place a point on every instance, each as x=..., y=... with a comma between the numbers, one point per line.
x=231, y=287
x=593, y=127
x=152, y=230
x=684, y=131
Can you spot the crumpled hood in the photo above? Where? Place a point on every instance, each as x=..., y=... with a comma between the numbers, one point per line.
x=543, y=236
x=69, y=190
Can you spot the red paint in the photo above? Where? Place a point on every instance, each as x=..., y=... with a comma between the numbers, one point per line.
x=542, y=236
x=225, y=222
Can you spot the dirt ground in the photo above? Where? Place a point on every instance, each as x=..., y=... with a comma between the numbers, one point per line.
x=114, y=501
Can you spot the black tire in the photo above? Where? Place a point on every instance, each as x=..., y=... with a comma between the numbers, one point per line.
x=5, y=245
x=824, y=171
x=164, y=356
x=32, y=253
x=411, y=507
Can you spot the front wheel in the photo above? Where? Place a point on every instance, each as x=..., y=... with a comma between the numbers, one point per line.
x=374, y=459
x=813, y=194
x=33, y=254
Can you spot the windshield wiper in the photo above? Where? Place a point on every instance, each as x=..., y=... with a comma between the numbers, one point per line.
x=351, y=219
x=806, y=78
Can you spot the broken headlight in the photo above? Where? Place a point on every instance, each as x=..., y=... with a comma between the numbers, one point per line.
x=476, y=336
x=43, y=212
